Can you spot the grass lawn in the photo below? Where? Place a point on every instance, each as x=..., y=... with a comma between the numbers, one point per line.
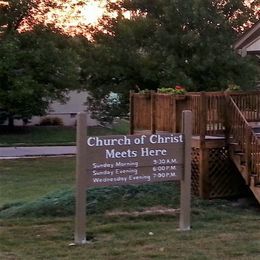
x=233, y=235
x=25, y=180
x=221, y=229
x=53, y=135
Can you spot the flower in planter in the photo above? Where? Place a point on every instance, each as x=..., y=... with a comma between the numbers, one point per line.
x=178, y=90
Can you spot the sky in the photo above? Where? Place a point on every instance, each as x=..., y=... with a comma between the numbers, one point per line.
x=73, y=16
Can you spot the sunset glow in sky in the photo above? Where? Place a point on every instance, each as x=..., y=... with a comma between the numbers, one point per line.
x=91, y=12
x=72, y=12
x=75, y=16
x=71, y=17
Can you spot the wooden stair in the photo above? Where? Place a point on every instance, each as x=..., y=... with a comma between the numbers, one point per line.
x=239, y=158
x=243, y=129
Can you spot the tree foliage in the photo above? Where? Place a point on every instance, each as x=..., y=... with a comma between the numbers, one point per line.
x=168, y=43
x=36, y=67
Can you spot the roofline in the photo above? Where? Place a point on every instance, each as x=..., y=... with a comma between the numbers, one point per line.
x=247, y=34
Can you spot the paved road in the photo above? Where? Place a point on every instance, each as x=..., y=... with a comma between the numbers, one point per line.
x=13, y=152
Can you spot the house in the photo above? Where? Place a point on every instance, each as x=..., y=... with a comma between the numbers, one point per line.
x=249, y=42
x=67, y=112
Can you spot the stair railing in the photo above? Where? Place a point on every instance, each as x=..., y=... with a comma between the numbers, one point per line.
x=248, y=103
x=241, y=133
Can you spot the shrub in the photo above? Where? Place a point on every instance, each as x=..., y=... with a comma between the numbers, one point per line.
x=51, y=121
x=105, y=108
x=57, y=121
x=233, y=88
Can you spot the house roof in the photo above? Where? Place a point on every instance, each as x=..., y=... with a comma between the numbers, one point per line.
x=249, y=42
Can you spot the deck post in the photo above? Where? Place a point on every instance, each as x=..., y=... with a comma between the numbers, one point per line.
x=204, y=152
x=132, y=126
x=181, y=105
x=153, y=112
x=174, y=113
x=203, y=117
x=226, y=120
x=248, y=155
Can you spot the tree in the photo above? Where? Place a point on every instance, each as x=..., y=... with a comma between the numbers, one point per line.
x=168, y=43
x=36, y=67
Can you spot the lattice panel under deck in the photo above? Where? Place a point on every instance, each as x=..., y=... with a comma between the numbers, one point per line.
x=224, y=178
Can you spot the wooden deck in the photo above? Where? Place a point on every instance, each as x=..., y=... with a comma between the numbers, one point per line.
x=226, y=134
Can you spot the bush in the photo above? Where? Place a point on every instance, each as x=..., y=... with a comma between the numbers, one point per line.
x=57, y=121
x=105, y=108
x=233, y=88
x=51, y=121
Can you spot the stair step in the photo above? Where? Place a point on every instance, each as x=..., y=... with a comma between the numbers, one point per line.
x=239, y=157
x=235, y=150
x=255, y=188
x=254, y=124
x=233, y=143
x=256, y=130
x=244, y=172
x=238, y=152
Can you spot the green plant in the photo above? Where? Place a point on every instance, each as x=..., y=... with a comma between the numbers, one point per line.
x=106, y=108
x=233, y=87
x=45, y=121
x=145, y=91
x=178, y=90
x=57, y=121
x=51, y=121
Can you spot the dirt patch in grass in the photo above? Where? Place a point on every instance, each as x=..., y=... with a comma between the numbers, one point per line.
x=152, y=211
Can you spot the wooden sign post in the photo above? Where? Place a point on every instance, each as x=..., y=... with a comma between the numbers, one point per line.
x=185, y=201
x=80, y=211
x=132, y=159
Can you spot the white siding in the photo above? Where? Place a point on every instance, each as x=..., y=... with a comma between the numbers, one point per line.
x=67, y=112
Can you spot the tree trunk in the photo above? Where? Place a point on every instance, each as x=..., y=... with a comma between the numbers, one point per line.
x=11, y=121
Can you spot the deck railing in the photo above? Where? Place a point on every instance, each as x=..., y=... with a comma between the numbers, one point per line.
x=196, y=106
x=249, y=104
x=156, y=112
x=140, y=110
x=162, y=112
x=242, y=134
x=208, y=113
